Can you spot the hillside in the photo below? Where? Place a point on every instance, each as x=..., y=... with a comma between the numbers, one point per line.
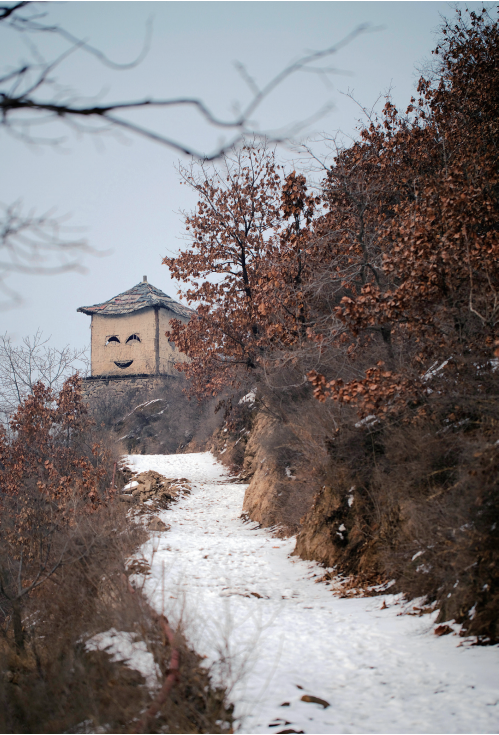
x=304, y=532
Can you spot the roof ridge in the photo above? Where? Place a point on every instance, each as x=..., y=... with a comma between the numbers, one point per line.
x=140, y=296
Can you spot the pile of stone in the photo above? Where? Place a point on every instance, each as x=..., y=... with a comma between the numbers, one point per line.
x=151, y=485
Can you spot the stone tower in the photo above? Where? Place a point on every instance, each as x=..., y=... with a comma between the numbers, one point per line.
x=128, y=333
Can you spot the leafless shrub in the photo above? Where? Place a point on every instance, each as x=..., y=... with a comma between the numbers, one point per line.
x=161, y=420
x=22, y=366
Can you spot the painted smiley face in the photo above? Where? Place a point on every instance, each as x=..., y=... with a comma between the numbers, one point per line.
x=113, y=341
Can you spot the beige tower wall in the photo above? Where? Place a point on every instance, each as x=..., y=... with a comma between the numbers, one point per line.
x=168, y=355
x=150, y=356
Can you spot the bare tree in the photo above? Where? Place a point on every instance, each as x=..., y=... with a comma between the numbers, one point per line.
x=22, y=366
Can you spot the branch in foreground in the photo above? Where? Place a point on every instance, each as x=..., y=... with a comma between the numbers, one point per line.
x=21, y=85
x=35, y=245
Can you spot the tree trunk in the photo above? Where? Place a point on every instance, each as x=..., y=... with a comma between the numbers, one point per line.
x=18, y=625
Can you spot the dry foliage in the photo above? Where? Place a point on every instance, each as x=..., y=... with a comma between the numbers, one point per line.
x=50, y=471
x=392, y=268
x=419, y=275
x=65, y=546
x=34, y=360
x=55, y=684
x=250, y=261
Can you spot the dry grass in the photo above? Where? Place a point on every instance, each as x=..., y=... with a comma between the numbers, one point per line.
x=415, y=500
x=159, y=421
x=56, y=685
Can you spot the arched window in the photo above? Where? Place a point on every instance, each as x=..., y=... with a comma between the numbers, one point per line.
x=111, y=340
x=133, y=338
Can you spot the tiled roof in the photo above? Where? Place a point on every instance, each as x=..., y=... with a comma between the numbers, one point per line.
x=139, y=297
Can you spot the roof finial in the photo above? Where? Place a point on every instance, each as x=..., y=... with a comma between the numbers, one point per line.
x=144, y=279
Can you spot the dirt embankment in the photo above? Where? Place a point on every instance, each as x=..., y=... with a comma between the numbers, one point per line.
x=161, y=420
x=415, y=503
x=269, y=455
x=278, y=494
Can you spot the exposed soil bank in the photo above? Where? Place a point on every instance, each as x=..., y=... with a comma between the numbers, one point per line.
x=412, y=502
x=277, y=494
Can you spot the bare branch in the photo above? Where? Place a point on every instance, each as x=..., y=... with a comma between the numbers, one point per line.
x=7, y=10
x=35, y=245
x=30, y=79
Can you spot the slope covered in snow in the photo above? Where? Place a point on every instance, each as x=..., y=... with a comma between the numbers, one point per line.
x=274, y=636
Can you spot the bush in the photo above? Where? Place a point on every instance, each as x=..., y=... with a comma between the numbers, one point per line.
x=415, y=500
x=64, y=546
x=161, y=420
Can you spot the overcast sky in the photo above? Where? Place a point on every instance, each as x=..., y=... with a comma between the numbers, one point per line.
x=125, y=194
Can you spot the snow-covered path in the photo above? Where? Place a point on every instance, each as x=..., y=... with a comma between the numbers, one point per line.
x=274, y=635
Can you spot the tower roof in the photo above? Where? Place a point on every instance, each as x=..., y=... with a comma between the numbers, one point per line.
x=139, y=297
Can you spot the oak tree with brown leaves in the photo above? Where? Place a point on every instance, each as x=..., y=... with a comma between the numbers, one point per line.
x=436, y=295
x=388, y=274
x=245, y=266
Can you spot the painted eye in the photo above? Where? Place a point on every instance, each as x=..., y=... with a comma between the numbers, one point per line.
x=133, y=338
x=112, y=339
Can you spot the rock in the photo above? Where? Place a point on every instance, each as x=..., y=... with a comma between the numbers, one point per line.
x=156, y=524
x=315, y=700
x=443, y=630
x=151, y=485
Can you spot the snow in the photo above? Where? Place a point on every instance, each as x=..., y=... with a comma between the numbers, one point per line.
x=249, y=398
x=435, y=369
x=272, y=635
x=143, y=405
x=131, y=485
x=122, y=646
x=367, y=421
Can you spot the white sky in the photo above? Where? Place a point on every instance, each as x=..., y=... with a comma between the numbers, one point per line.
x=126, y=194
